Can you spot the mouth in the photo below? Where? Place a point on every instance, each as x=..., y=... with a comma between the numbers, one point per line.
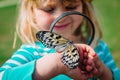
x=61, y=27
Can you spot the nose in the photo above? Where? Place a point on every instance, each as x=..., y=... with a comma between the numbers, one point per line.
x=58, y=13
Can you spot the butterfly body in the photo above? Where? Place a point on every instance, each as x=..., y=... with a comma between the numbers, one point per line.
x=70, y=55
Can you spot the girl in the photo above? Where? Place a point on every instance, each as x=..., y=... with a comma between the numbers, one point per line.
x=30, y=62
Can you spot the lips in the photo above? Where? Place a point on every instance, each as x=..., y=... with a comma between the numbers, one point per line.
x=61, y=27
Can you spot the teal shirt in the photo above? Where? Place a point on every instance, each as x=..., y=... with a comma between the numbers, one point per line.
x=21, y=64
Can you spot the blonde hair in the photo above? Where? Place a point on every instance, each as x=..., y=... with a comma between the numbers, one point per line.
x=89, y=11
x=26, y=26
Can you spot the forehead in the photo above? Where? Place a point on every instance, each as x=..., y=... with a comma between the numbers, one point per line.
x=56, y=2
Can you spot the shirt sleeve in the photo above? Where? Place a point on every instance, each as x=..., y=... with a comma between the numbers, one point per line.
x=20, y=66
x=106, y=57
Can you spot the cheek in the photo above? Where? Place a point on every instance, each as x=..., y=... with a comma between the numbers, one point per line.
x=43, y=19
x=77, y=20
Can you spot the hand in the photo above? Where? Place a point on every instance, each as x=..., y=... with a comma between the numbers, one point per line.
x=91, y=64
x=86, y=69
x=77, y=74
x=98, y=71
x=103, y=73
x=86, y=54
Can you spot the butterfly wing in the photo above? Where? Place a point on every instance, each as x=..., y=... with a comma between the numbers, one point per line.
x=50, y=39
x=70, y=56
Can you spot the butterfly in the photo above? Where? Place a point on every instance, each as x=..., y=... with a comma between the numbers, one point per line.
x=70, y=56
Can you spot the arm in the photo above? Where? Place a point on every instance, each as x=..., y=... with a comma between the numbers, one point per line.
x=25, y=62
x=103, y=72
x=109, y=66
x=59, y=68
x=51, y=67
x=20, y=66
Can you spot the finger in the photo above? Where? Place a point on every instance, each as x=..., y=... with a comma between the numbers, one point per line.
x=85, y=61
x=95, y=71
x=89, y=68
x=90, y=65
x=81, y=46
x=90, y=62
x=87, y=48
x=90, y=51
x=82, y=68
x=97, y=61
x=80, y=51
x=85, y=54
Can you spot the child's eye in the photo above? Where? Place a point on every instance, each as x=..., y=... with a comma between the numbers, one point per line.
x=49, y=10
x=68, y=8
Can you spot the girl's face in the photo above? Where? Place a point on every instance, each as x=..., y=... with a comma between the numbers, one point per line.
x=48, y=11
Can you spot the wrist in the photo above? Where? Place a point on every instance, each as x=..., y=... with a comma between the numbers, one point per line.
x=63, y=69
x=48, y=66
x=106, y=74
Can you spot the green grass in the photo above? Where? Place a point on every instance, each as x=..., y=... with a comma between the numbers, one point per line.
x=108, y=13
x=7, y=26
x=109, y=18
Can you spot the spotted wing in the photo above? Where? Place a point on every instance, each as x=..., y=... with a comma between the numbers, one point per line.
x=70, y=56
x=50, y=39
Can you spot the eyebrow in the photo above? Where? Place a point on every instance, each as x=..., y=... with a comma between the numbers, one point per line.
x=54, y=4
x=48, y=3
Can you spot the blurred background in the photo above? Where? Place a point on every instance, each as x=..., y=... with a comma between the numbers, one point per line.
x=108, y=12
